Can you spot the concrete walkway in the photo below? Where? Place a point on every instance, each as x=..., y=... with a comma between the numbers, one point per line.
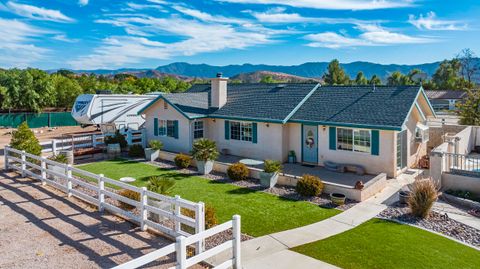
x=457, y=214
x=272, y=251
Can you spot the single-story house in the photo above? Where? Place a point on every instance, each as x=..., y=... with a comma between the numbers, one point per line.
x=379, y=127
x=445, y=100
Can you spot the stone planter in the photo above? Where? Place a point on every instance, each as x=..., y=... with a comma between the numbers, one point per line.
x=151, y=154
x=403, y=197
x=337, y=198
x=161, y=205
x=58, y=169
x=268, y=179
x=113, y=150
x=204, y=167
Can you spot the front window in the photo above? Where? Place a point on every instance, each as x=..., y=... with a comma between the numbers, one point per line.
x=354, y=140
x=197, y=129
x=241, y=131
x=166, y=128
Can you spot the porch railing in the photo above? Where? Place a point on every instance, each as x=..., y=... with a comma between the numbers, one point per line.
x=462, y=164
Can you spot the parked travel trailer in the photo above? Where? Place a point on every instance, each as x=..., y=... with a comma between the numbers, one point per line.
x=111, y=110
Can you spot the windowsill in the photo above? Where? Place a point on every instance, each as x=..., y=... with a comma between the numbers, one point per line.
x=358, y=152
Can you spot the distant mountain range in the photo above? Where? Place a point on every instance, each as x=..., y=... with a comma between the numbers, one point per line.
x=312, y=70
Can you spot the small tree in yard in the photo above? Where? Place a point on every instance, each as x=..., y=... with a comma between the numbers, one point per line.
x=469, y=111
x=24, y=139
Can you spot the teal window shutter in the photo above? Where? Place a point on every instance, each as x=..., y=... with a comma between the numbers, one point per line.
x=175, y=129
x=227, y=130
x=375, y=142
x=155, y=127
x=332, y=138
x=254, y=133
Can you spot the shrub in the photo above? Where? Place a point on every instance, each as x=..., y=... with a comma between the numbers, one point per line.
x=131, y=195
x=211, y=219
x=424, y=194
x=309, y=185
x=204, y=150
x=155, y=144
x=160, y=185
x=136, y=151
x=182, y=160
x=24, y=139
x=272, y=166
x=59, y=158
x=237, y=171
x=117, y=138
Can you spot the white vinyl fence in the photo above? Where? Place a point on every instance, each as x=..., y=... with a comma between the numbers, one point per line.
x=100, y=191
x=180, y=249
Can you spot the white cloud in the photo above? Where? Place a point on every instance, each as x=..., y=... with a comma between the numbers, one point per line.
x=331, y=4
x=37, y=13
x=372, y=35
x=83, y=2
x=206, y=34
x=430, y=22
x=207, y=17
x=64, y=38
x=16, y=44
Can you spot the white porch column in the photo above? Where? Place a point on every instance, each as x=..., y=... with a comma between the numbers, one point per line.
x=436, y=167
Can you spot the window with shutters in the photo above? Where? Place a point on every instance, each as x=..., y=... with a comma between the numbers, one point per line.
x=166, y=128
x=242, y=131
x=170, y=128
x=358, y=140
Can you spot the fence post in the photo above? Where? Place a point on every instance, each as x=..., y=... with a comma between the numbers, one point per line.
x=200, y=226
x=44, y=171
x=181, y=250
x=69, y=180
x=5, y=153
x=177, y=213
x=143, y=209
x=237, y=241
x=23, y=165
x=54, y=147
x=101, y=195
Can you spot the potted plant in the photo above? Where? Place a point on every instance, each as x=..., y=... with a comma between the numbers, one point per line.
x=162, y=186
x=269, y=175
x=292, y=158
x=204, y=151
x=153, y=150
x=337, y=198
x=113, y=146
x=403, y=196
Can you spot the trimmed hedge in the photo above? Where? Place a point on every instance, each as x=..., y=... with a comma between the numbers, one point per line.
x=237, y=171
x=309, y=185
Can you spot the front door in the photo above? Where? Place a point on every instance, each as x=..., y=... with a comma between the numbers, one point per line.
x=310, y=144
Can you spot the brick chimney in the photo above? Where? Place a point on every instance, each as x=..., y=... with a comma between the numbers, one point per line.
x=219, y=91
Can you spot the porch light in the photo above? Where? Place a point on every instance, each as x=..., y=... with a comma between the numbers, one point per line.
x=268, y=124
x=324, y=128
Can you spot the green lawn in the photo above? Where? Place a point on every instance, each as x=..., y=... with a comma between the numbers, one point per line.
x=261, y=213
x=384, y=244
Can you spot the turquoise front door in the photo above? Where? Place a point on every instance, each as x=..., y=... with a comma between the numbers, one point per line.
x=310, y=143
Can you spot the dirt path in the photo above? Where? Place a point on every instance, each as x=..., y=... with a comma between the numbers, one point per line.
x=41, y=228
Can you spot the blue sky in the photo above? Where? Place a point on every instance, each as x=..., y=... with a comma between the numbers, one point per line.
x=93, y=34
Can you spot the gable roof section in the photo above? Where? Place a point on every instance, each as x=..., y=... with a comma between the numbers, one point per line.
x=191, y=105
x=362, y=107
x=446, y=94
x=260, y=102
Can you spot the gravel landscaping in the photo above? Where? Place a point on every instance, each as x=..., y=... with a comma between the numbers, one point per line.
x=437, y=222
x=279, y=190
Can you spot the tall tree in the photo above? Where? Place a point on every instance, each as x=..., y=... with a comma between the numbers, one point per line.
x=375, y=80
x=447, y=76
x=469, y=111
x=361, y=79
x=67, y=90
x=335, y=74
x=469, y=64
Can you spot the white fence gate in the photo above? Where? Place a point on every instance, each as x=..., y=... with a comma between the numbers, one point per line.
x=92, y=189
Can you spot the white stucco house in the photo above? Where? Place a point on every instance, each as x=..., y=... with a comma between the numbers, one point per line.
x=381, y=128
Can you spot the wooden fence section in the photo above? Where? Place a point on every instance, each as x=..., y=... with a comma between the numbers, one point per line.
x=92, y=188
x=180, y=249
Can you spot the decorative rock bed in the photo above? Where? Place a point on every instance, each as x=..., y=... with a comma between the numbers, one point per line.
x=437, y=222
x=288, y=192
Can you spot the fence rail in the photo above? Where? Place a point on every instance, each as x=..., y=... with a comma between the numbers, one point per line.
x=461, y=163
x=91, y=188
x=182, y=243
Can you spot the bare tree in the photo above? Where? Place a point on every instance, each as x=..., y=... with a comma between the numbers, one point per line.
x=469, y=64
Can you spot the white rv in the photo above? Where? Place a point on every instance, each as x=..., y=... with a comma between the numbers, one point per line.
x=113, y=110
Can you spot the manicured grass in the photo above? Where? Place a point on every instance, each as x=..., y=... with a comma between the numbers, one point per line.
x=261, y=213
x=384, y=244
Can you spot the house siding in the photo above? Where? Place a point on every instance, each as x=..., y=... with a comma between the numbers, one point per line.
x=183, y=143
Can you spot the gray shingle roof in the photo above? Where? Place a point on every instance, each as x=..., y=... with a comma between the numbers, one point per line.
x=446, y=94
x=259, y=101
x=193, y=104
x=385, y=106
